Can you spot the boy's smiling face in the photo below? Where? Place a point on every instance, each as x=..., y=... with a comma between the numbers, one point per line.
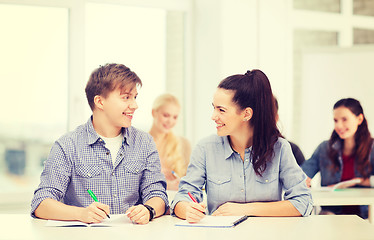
x=119, y=106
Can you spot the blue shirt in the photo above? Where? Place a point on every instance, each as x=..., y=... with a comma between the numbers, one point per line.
x=228, y=179
x=79, y=161
x=320, y=162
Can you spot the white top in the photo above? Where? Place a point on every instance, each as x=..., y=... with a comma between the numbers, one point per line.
x=113, y=145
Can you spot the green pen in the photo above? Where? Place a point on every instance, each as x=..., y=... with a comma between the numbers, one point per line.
x=95, y=199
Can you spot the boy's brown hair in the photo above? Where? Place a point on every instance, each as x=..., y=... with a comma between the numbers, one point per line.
x=107, y=78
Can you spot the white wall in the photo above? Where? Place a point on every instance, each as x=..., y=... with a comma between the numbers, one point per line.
x=328, y=75
x=207, y=64
x=231, y=37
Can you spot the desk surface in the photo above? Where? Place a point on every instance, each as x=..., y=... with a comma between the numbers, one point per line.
x=22, y=226
x=348, y=196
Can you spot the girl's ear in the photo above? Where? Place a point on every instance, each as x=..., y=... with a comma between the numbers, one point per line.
x=360, y=118
x=248, y=113
x=98, y=100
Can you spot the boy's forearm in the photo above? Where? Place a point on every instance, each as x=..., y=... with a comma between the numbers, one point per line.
x=180, y=210
x=52, y=209
x=158, y=205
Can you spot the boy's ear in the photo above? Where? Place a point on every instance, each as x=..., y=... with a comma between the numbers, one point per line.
x=153, y=113
x=98, y=100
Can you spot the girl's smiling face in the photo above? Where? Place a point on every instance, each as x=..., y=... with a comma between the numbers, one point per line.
x=346, y=123
x=166, y=117
x=226, y=114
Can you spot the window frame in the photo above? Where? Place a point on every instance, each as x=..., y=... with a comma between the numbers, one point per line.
x=76, y=63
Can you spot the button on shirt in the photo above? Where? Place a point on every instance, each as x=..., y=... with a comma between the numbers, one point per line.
x=79, y=161
x=227, y=178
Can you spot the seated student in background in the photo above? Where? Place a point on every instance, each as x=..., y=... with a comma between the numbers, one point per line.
x=347, y=155
x=245, y=168
x=299, y=156
x=117, y=162
x=174, y=151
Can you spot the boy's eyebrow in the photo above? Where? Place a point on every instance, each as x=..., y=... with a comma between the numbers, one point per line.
x=126, y=91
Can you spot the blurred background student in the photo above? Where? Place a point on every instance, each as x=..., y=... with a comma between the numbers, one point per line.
x=299, y=156
x=174, y=150
x=347, y=155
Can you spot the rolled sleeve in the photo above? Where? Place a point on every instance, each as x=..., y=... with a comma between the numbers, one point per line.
x=153, y=182
x=294, y=183
x=54, y=179
x=194, y=180
x=311, y=166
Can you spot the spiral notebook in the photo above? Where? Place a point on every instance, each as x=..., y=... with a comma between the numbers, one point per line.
x=215, y=222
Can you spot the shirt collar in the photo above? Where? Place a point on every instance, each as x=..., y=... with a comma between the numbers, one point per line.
x=126, y=135
x=227, y=147
x=337, y=145
x=228, y=150
x=93, y=137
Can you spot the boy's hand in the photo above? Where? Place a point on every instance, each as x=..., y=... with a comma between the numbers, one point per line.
x=195, y=212
x=94, y=213
x=138, y=214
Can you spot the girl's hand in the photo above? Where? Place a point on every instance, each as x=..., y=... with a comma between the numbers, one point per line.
x=308, y=182
x=349, y=183
x=229, y=209
x=173, y=184
x=168, y=174
x=195, y=212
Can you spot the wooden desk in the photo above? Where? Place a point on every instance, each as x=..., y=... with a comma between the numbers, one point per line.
x=315, y=227
x=349, y=196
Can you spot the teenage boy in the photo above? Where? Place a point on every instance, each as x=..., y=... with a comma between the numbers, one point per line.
x=107, y=156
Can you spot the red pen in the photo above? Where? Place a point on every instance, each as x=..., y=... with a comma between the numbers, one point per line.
x=192, y=197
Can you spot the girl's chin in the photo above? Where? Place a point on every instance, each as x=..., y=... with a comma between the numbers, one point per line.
x=343, y=136
x=166, y=130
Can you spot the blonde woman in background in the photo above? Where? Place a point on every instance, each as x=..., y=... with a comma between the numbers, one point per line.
x=174, y=150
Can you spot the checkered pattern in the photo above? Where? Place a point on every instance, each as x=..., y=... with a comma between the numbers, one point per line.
x=79, y=161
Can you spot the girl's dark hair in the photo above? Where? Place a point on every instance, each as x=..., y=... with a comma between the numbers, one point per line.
x=362, y=136
x=253, y=90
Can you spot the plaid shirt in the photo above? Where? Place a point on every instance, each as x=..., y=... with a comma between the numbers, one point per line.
x=79, y=161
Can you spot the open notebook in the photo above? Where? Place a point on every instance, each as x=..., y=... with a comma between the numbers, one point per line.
x=341, y=185
x=114, y=221
x=215, y=222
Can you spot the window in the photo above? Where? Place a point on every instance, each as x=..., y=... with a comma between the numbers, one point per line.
x=317, y=24
x=363, y=36
x=47, y=55
x=134, y=37
x=322, y=6
x=363, y=7
x=34, y=79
